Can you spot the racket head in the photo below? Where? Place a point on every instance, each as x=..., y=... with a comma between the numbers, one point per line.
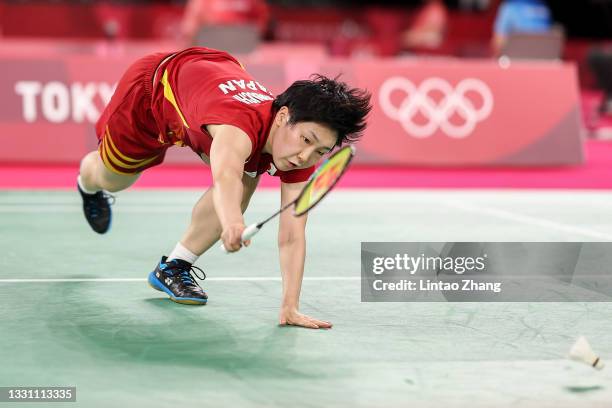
x=323, y=180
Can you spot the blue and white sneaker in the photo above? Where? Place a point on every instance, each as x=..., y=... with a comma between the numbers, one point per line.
x=175, y=278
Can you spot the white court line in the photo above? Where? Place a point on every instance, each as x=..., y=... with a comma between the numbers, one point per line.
x=529, y=220
x=226, y=279
x=54, y=209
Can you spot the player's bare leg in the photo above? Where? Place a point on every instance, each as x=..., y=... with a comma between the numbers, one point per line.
x=95, y=176
x=173, y=275
x=93, y=183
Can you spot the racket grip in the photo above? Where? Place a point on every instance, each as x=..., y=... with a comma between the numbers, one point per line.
x=248, y=233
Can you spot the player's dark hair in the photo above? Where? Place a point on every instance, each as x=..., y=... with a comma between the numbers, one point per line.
x=328, y=102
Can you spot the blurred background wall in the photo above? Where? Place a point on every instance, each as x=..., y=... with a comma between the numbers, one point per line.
x=454, y=83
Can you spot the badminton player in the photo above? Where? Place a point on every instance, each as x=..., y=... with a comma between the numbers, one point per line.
x=204, y=99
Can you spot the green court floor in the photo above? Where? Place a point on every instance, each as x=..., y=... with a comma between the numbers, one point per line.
x=76, y=309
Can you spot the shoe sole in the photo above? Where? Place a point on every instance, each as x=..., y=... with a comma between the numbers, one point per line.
x=110, y=224
x=157, y=285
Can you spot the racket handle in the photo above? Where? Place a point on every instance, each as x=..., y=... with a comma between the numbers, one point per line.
x=248, y=233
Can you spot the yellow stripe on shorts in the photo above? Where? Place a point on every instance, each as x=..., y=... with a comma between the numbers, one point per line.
x=108, y=164
x=107, y=152
x=169, y=95
x=113, y=159
x=121, y=155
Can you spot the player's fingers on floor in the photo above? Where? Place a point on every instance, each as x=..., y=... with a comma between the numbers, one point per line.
x=322, y=324
x=307, y=323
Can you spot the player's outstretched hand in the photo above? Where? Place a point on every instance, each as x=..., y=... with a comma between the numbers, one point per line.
x=291, y=317
x=232, y=237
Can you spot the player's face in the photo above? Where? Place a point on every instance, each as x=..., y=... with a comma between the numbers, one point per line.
x=301, y=145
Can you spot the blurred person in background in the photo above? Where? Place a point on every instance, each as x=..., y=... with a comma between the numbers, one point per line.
x=520, y=16
x=600, y=63
x=429, y=26
x=478, y=5
x=114, y=23
x=203, y=13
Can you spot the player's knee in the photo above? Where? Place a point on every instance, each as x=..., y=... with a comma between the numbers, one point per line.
x=89, y=166
x=113, y=182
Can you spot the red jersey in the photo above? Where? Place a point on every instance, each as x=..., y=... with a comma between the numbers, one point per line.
x=200, y=86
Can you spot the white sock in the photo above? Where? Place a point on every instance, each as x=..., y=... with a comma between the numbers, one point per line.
x=180, y=252
x=86, y=191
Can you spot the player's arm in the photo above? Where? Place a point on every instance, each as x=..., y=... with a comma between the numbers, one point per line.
x=292, y=250
x=229, y=150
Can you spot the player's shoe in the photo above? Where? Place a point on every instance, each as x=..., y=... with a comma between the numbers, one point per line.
x=97, y=209
x=175, y=278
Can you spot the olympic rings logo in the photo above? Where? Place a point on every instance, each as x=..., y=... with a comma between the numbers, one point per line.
x=437, y=114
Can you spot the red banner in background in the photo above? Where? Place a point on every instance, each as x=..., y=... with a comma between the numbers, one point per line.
x=426, y=112
x=453, y=112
